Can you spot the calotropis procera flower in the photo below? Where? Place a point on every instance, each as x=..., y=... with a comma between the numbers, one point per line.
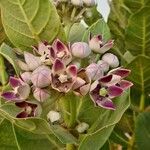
x=80, y=50
x=94, y=71
x=28, y=109
x=98, y=45
x=20, y=90
x=26, y=77
x=31, y=62
x=63, y=77
x=61, y=51
x=104, y=65
x=111, y=59
x=41, y=77
x=82, y=85
x=108, y=87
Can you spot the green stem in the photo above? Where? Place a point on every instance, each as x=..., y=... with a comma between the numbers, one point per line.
x=142, y=102
x=3, y=71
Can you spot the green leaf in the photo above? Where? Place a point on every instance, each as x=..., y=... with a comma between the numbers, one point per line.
x=140, y=67
x=26, y=22
x=142, y=131
x=138, y=33
x=8, y=53
x=101, y=121
x=15, y=138
x=99, y=27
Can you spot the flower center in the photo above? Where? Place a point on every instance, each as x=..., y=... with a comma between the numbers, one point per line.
x=63, y=78
x=103, y=92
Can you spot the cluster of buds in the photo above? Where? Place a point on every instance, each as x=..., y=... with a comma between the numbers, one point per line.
x=54, y=67
x=80, y=3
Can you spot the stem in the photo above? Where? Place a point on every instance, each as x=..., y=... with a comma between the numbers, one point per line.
x=3, y=71
x=70, y=147
x=142, y=102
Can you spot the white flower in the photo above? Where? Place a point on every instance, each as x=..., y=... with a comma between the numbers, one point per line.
x=53, y=116
x=82, y=127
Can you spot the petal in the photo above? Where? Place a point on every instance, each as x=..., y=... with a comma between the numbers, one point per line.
x=14, y=82
x=24, y=91
x=106, y=79
x=42, y=49
x=32, y=61
x=52, y=53
x=106, y=103
x=124, y=84
x=58, y=67
x=10, y=96
x=79, y=82
x=23, y=66
x=22, y=114
x=107, y=46
x=120, y=72
x=26, y=77
x=22, y=104
x=114, y=91
x=72, y=71
x=85, y=89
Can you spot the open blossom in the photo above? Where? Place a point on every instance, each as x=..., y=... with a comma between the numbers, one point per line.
x=98, y=45
x=108, y=87
x=28, y=109
x=82, y=85
x=63, y=77
x=20, y=90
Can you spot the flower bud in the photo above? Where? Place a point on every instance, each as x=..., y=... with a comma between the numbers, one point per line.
x=111, y=59
x=77, y=2
x=26, y=77
x=94, y=71
x=53, y=116
x=41, y=94
x=41, y=77
x=82, y=127
x=104, y=65
x=80, y=49
x=89, y=2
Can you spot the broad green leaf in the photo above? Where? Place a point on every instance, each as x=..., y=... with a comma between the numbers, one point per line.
x=15, y=138
x=99, y=27
x=142, y=131
x=8, y=53
x=140, y=67
x=101, y=121
x=138, y=33
x=26, y=22
x=2, y=33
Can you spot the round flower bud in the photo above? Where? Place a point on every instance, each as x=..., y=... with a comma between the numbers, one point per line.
x=82, y=127
x=111, y=59
x=89, y=2
x=80, y=50
x=26, y=77
x=77, y=2
x=53, y=116
x=41, y=77
x=104, y=65
x=41, y=94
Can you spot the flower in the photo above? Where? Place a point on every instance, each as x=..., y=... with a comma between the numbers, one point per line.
x=41, y=77
x=104, y=65
x=61, y=51
x=28, y=109
x=82, y=127
x=111, y=59
x=108, y=87
x=32, y=62
x=41, y=94
x=82, y=85
x=53, y=116
x=80, y=49
x=63, y=77
x=98, y=45
x=20, y=90
x=94, y=71
x=26, y=77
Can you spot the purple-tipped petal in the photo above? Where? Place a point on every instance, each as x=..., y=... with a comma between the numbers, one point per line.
x=52, y=53
x=106, y=79
x=72, y=71
x=22, y=115
x=10, y=96
x=124, y=84
x=120, y=72
x=14, y=82
x=106, y=103
x=114, y=91
x=107, y=46
x=58, y=67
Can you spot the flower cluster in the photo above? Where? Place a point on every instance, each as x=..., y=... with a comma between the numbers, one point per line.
x=55, y=67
